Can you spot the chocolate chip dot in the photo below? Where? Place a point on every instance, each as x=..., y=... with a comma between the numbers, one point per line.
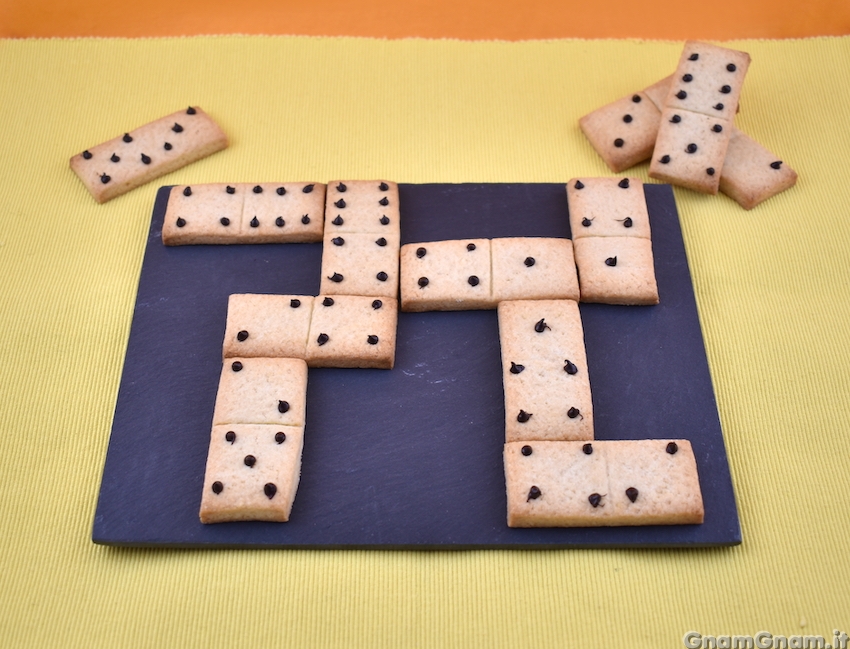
x=237, y=366
x=665, y=159
x=258, y=189
x=190, y=111
x=127, y=138
x=146, y=159
x=693, y=57
x=250, y=461
x=726, y=90
x=423, y=282
x=717, y=128
x=516, y=368
x=305, y=219
x=627, y=118
x=338, y=241
x=619, y=142
x=383, y=187
x=710, y=171
x=632, y=493
x=688, y=78
x=540, y=326
x=217, y=487
x=534, y=493
x=681, y=94
x=421, y=252
x=636, y=99
x=473, y=280
x=776, y=164
x=587, y=449
x=336, y=277
x=718, y=107
x=115, y=158
x=470, y=247
x=255, y=222
x=322, y=339
x=105, y=179
x=280, y=437
x=242, y=336
x=328, y=301
x=187, y=191
x=341, y=187
x=611, y=261
x=283, y=407
x=340, y=204
x=382, y=276
x=594, y=499
x=385, y=220
x=87, y=154
x=270, y=490
x=624, y=183
x=230, y=436
x=177, y=128
x=627, y=222
x=338, y=220
x=377, y=304
x=181, y=222
x=523, y=416
x=529, y=262
x=279, y=222
x=295, y=303
x=372, y=340
x=572, y=413
x=570, y=367
x=586, y=222
x=731, y=67
x=691, y=148
x=526, y=450
x=384, y=201
x=675, y=119
x=307, y=189
x=167, y=146
x=281, y=191
x=230, y=189
x=381, y=242
x=672, y=447
x=579, y=185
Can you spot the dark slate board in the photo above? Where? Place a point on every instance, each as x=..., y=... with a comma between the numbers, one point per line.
x=412, y=457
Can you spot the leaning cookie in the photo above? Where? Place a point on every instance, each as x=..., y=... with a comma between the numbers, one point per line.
x=751, y=173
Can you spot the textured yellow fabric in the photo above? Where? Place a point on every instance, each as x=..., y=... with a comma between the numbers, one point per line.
x=772, y=287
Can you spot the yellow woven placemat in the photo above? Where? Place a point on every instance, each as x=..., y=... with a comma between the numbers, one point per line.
x=772, y=287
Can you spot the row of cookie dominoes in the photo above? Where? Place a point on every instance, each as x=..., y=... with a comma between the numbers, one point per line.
x=685, y=124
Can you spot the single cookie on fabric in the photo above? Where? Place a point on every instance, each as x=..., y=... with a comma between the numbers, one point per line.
x=544, y=371
x=616, y=270
x=201, y=214
x=252, y=473
x=362, y=206
x=267, y=326
x=653, y=482
x=353, y=331
x=708, y=80
x=261, y=391
x=533, y=268
x=751, y=173
x=283, y=212
x=451, y=275
x=602, y=483
x=360, y=263
x=690, y=150
x=148, y=152
x=607, y=207
x=658, y=91
x=623, y=132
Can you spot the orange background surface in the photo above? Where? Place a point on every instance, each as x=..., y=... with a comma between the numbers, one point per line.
x=462, y=19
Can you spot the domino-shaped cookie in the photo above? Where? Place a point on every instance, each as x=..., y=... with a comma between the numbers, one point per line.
x=352, y=331
x=544, y=371
x=451, y=275
x=751, y=173
x=360, y=263
x=362, y=206
x=533, y=268
x=283, y=213
x=262, y=391
x=267, y=326
x=607, y=207
x=602, y=483
x=148, y=152
x=616, y=270
x=252, y=473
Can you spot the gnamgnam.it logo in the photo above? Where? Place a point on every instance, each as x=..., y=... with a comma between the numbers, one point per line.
x=765, y=640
